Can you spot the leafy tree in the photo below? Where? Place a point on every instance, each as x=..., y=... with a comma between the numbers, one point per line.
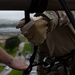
x=12, y=42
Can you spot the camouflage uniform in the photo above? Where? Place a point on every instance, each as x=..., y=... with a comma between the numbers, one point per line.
x=42, y=53
x=55, y=36
x=60, y=39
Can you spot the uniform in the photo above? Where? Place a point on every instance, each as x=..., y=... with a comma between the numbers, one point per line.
x=58, y=36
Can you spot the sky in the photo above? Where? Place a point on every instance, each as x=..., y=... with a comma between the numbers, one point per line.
x=12, y=15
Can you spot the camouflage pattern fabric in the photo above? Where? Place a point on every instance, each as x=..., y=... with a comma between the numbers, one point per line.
x=55, y=37
x=60, y=39
x=57, y=69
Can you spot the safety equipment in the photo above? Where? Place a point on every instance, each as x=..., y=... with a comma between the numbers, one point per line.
x=35, y=31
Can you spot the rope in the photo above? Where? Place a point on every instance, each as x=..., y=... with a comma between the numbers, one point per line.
x=28, y=70
x=68, y=12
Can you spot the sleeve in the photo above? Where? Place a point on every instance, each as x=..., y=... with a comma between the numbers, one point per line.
x=63, y=19
x=56, y=18
x=53, y=19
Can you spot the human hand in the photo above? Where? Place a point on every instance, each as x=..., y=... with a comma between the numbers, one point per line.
x=18, y=64
x=33, y=30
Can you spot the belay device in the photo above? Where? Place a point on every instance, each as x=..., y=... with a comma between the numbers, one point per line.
x=39, y=6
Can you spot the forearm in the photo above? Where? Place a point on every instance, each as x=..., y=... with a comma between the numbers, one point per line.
x=4, y=56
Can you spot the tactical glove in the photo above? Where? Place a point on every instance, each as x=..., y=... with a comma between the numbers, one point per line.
x=34, y=31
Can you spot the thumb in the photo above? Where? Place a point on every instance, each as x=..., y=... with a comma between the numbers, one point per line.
x=21, y=23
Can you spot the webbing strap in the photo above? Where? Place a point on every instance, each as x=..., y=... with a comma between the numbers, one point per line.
x=61, y=59
x=38, y=6
x=68, y=12
x=27, y=17
x=28, y=70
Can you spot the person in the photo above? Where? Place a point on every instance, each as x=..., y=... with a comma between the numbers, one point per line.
x=53, y=33
x=11, y=61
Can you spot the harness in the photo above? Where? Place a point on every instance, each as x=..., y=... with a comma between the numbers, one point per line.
x=62, y=60
x=54, y=61
x=42, y=4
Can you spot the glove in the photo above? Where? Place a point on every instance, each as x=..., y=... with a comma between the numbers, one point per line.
x=21, y=23
x=34, y=31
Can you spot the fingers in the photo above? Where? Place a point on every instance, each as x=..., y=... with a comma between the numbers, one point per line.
x=21, y=23
x=19, y=65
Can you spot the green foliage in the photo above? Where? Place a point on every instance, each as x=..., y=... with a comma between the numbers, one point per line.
x=22, y=38
x=12, y=43
x=13, y=53
x=15, y=72
x=1, y=68
x=28, y=47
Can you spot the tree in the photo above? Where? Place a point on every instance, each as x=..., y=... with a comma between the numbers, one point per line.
x=12, y=42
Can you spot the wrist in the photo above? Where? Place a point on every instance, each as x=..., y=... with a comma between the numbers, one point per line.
x=9, y=62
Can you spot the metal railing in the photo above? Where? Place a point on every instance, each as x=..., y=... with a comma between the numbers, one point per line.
x=25, y=4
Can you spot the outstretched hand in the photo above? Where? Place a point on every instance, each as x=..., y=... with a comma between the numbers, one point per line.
x=18, y=64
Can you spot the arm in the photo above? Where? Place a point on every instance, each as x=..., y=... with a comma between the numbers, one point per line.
x=5, y=57
x=12, y=62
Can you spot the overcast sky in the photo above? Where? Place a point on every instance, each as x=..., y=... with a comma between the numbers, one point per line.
x=13, y=15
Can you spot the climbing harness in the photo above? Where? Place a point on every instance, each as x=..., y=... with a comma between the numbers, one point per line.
x=39, y=8
x=59, y=60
